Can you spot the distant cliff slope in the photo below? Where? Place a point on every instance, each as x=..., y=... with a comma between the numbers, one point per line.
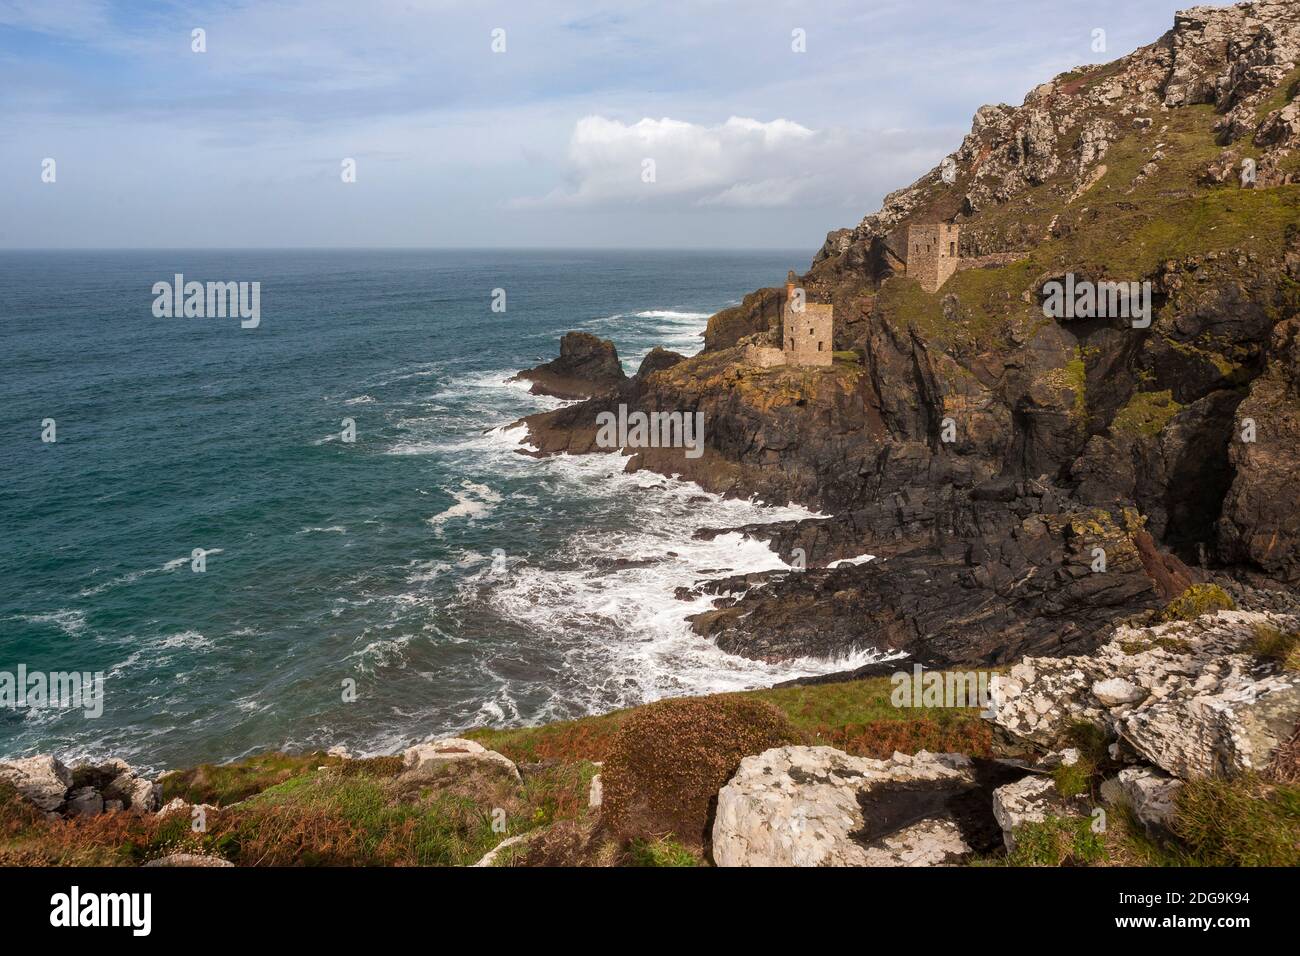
x=1027, y=478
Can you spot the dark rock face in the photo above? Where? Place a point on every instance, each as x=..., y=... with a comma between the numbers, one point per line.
x=1025, y=480
x=587, y=367
x=986, y=600
x=1260, y=524
x=658, y=359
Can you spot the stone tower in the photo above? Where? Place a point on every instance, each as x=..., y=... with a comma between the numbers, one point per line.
x=932, y=253
x=807, y=329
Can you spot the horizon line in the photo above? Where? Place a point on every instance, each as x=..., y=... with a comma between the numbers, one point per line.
x=4, y=249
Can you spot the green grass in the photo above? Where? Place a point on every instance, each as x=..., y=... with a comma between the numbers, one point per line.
x=1058, y=841
x=1146, y=413
x=857, y=716
x=224, y=784
x=1082, y=776
x=1241, y=822
x=664, y=852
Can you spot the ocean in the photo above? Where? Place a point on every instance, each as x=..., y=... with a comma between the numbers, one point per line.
x=422, y=579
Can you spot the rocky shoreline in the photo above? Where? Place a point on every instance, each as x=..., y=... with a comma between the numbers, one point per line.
x=1170, y=452
x=1081, y=744
x=1098, y=516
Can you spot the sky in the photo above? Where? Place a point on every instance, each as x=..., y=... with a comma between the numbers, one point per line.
x=534, y=123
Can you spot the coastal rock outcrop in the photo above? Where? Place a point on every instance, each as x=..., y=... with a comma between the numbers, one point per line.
x=587, y=367
x=87, y=789
x=1196, y=701
x=42, y=780
x=817, y=806
x=1041, y=476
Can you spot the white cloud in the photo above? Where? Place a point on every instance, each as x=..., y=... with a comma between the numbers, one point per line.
x=741, y=163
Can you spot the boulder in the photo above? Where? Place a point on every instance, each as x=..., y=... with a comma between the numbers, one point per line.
x=1116, y=690
x=134, y=793
x=596, y=795
x=1187, y=696
x=433, y=755
x=1231, y=725
x=1032, y=800
x=42, y=780
x=817, y=806
x=1149, y=793
x=84, y=802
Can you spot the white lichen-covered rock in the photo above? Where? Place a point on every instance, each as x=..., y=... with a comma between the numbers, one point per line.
x=134, y=793
x=1235, y=724
x=1031, y=800
x=1149, y=793
x=1188, y=696
x=493, y=855
x=434, y=755
x=596, y=795
x=42, y=780
x=817, y=806
x=1115, y=691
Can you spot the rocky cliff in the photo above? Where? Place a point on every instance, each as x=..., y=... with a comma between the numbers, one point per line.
x=1023, y=479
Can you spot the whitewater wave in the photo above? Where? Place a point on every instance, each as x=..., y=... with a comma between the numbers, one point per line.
x=68, y=620
x=130, y=578
x=473, y=501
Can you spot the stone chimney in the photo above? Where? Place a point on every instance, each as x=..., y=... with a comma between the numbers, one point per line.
x=791, y=280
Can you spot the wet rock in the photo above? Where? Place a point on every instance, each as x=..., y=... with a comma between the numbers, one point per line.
x=588, y=366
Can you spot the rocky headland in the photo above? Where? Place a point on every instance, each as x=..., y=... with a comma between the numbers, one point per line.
x=1097, y=517
x=987, y=454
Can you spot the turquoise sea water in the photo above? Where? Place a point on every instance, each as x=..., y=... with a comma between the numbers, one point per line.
x=456, y=581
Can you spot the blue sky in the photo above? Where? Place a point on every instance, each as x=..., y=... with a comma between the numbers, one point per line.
x=754, y=144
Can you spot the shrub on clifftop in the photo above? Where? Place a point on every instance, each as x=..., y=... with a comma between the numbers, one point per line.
x=669, y=760
x=1197, y=600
